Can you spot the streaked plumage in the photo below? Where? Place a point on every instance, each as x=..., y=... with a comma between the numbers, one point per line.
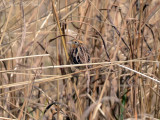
x=78, y=53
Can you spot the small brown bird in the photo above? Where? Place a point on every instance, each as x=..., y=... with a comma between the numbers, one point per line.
x=78, y=54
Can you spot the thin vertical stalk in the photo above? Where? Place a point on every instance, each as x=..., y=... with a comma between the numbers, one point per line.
x=61, y=33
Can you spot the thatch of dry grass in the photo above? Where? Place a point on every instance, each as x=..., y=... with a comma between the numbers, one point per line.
x=37, y=80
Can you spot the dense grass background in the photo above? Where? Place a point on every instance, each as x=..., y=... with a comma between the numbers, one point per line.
x=37, y=82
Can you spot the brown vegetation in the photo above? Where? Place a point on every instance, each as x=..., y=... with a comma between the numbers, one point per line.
x=37, y=80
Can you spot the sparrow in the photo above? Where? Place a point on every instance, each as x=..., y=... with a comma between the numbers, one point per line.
x=78, y=53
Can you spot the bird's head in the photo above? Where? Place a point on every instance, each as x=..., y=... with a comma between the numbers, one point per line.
x=75, y=43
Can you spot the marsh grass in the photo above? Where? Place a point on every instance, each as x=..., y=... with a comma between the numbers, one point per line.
x=37, y=80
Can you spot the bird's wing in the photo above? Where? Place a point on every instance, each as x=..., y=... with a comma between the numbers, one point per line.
x=83, y=55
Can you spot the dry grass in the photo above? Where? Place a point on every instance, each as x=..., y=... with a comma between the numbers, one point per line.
x=37, y=82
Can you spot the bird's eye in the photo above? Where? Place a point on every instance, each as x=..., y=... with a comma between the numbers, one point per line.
x=76, y=42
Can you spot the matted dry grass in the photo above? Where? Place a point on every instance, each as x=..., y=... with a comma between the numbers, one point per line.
x=38, y=82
